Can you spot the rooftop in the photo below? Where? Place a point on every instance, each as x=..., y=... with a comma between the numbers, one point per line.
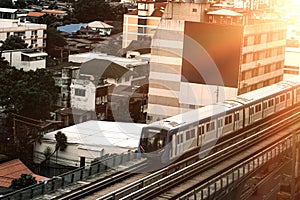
x=13, y=169
x=8, y=10
x=101, y=133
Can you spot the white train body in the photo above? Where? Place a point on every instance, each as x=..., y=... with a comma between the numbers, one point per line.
x=170, y=138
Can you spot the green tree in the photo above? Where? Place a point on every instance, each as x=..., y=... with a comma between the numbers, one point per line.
x=50, y=20
x=13, y=42
x=61, y=141
x=20, y=4
x=87, y=11
x=55, y=41
x=32, y=94
x=6, y=4
x=24, y=181
x=61, y=145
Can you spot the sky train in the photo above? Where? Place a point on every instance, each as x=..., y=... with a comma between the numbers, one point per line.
x=170, y=138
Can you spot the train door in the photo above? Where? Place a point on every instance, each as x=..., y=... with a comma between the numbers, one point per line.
x=289, y=100
x=265, y=108
x=236, y=120
x=173, y=146
x=180, y=143
x=251, y=114
x=220, y=126
x=200, y=134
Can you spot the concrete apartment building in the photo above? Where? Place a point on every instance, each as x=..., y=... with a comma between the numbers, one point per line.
x=207, y=55
x=143, y=21
x=33, y=34
x=26, y=59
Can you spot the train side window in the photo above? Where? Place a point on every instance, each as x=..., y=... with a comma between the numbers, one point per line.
x=181, y=138
x=193, y=133
x=188, y=135
x=282, y=98
x=271, y=102
x=201, y=130
x=265, y=105
x=210, y=126
x=258, y=108
x=277, y=100
x=177, y=139
x=228, y=119
x=288, y=96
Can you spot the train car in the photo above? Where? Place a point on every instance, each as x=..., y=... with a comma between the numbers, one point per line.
x=168, y=139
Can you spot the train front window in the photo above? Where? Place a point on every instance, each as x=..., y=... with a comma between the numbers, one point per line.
x=153, y=139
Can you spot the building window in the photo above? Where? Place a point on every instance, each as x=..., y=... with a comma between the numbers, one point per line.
x=80, y=92
x=257, y=39
x=254, y=72
x=194, y=10
x=267, y=69
x=34, y=33
x=192, y=106
x=142, y=21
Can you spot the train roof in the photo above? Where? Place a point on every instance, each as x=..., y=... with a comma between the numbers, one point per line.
x=193, y=116
x=265, y=92
x=219, y=109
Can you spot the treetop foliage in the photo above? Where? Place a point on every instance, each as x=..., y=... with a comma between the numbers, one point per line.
x=87, y=11
x=13, y=42
x=32, y=94
x=24, y=181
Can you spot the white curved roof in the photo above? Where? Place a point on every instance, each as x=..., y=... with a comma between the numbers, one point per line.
x=99, y=24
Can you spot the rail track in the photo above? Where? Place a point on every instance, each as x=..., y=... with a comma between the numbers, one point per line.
x=150, y=185
x=158, y=182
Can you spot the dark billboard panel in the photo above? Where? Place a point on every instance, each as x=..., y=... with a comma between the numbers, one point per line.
x=211, y=54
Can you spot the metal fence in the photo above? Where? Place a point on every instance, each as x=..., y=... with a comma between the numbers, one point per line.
x=70, y=177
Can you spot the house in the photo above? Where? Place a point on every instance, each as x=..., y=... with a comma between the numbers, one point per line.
x=13, y=169
x=71, y=28
x=91, y=140
x=8, y=13
x=57, y=13
x=103, y=28
x=33, y=16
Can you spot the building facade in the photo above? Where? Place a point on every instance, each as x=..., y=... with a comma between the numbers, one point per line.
x=25, y=59
x=142, y=22
x=207, y=56
x=33, y=34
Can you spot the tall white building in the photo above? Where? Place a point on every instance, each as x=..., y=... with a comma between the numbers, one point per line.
x=33, y=34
